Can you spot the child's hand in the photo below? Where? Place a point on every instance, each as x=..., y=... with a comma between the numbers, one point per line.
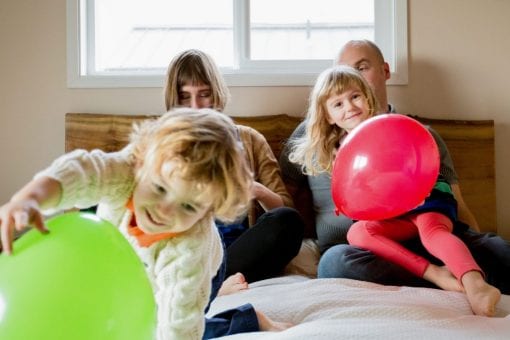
x=17, y=215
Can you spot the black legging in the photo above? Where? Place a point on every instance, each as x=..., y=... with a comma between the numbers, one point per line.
x=267, y=247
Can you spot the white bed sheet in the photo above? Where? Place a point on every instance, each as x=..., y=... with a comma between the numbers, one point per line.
x=349, y=309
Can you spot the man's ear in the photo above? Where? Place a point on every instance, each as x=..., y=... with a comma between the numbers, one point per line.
x=387, y=73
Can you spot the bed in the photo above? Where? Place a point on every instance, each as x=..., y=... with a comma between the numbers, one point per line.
x=349, y=309
x=342, y=308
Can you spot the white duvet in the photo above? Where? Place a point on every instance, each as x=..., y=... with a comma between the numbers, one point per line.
x=348, y=309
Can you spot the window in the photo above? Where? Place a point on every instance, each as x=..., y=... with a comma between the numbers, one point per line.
x=129, y=43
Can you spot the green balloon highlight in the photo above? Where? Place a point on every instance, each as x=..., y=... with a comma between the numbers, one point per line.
x=83, y=280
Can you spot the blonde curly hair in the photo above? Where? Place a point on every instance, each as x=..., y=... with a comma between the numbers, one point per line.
x=206, y=145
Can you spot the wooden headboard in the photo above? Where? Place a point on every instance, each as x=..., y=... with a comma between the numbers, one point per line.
x=470, y=142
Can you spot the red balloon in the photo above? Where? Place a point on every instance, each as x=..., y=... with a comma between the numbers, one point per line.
x=385, y=167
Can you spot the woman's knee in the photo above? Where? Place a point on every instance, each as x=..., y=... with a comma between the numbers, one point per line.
x=288, y=220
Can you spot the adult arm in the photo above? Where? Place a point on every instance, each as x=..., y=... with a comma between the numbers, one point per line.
x=269, y=189
x=447, y=170
x=266, y=197
x=464, y=214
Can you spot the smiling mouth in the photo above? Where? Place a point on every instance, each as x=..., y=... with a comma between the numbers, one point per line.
x=353, y=116
x=152, y=220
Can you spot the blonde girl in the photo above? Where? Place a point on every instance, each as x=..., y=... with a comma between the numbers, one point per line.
x=340, y=101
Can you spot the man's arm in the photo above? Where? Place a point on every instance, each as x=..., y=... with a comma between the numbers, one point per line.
x=447, y=170
x=465, y=215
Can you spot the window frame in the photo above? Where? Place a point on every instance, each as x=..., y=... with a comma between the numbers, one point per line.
x=392, y=39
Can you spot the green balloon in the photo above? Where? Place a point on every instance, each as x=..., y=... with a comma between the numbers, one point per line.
x=81, y=281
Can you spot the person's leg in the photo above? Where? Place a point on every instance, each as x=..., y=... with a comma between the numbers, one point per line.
x=331, y=230
x=482, y=297
x=233, y=321
x=435, y=234
x=492, y=253
x=233, y=284
x=346, y=261
x=242, y=319
x=267, y=247
x=383, y=238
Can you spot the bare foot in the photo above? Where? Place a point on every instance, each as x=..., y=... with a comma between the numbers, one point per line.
x=266, y=324
x=482, y=297
x=443, y=278
x=233, y=284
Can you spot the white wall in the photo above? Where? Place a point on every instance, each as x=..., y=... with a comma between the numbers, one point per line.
x=458, y=68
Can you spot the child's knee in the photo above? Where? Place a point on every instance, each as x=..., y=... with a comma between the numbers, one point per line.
x=358, y=234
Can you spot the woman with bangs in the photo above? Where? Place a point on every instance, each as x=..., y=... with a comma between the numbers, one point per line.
x=262, y=242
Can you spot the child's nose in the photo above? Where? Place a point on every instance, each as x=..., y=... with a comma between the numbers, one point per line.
x=165, y=209
x=348, y=105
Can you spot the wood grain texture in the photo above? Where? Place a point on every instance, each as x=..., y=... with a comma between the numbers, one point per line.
x=470, y=142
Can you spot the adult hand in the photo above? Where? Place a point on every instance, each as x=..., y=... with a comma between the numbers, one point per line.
x=267, y=198
x=257, y=190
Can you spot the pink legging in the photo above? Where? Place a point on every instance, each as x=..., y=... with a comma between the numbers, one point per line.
x=434, y=229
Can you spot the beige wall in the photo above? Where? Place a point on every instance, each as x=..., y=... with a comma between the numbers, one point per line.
x=459, y=68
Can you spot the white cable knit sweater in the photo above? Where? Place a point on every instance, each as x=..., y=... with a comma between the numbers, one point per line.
x=180, y=268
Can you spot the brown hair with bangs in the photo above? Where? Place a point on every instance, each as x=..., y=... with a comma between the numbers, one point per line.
x=194, y=67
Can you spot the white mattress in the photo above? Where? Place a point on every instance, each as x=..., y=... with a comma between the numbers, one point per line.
x=349, y=309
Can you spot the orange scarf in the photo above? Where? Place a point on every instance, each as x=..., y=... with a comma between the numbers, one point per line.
x=144, y=240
